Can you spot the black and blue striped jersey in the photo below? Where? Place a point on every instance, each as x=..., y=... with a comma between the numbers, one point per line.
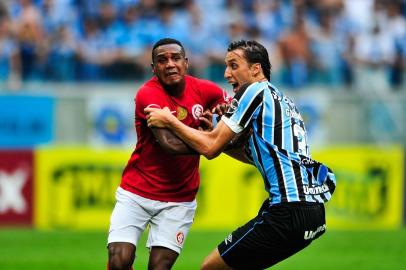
x=278, y=145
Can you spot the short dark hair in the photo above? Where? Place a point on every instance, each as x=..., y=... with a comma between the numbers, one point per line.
x=254, y=52
x=165, y=41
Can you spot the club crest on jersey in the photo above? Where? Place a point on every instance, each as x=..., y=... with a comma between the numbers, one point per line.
x=180, y=237
x=181, y=113
x=197, y=111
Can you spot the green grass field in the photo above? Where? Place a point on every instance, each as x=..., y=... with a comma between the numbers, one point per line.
x=23, y=249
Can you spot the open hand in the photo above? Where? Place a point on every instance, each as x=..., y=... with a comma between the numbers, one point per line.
x=159, y=118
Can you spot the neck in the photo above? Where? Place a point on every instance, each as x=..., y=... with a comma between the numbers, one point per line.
x=262, y=79
x=175, y=90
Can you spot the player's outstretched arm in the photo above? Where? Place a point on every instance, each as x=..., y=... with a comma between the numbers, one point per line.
x=171, y=143
x=210, y=144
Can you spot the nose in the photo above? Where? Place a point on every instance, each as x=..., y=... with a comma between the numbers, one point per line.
x=227, y=73
x=170, y=63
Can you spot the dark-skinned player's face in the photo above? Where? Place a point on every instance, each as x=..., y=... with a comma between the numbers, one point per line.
x=169, y=64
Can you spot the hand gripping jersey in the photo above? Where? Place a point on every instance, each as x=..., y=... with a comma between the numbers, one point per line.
x=153, y=173
x=278, y=146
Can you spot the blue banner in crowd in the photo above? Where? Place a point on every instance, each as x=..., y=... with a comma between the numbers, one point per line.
x=25, y=121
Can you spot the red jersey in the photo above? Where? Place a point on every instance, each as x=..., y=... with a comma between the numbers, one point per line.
x=151, y=172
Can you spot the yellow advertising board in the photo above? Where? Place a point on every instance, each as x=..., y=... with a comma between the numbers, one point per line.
x=369, y=192
x=230, y=194
x=75, y=187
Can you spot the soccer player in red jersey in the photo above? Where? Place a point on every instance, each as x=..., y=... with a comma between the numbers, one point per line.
x=158, y=188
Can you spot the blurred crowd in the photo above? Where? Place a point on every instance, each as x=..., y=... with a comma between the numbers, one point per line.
x=334, y=43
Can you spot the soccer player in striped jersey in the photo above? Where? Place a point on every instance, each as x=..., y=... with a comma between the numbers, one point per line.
x=298, y=186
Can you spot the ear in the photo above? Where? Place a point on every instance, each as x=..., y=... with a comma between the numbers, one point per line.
x=256, y=69
x=152, y=68
x=187, y=62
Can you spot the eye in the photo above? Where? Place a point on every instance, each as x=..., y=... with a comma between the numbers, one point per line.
x=234, y=66
x=161, y=60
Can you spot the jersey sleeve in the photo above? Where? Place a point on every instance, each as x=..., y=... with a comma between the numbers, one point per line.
x=145, y=99
x=243, y=107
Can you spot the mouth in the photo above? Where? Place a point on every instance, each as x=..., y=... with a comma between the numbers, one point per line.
x=171, y=74
x=235, y=86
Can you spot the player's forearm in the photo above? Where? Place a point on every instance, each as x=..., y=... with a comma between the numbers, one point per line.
x=201, y=141
x=171, y=143
x=210, y=144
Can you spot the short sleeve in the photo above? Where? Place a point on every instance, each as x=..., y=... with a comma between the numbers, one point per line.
x=145, y=98
x=244, y=106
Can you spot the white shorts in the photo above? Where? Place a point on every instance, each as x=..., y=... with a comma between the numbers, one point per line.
x=169, y=222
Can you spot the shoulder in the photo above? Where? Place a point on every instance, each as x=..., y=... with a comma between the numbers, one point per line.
x=250, y=89
x=150, y=88
x=202, y=83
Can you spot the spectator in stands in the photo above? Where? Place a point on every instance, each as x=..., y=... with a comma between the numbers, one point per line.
x=63, y=48
x=31, y=38
x=374, y=53
x=90, y=46
x=111, y=39
x=196, y=44
x=10, y=65
x=296, y=54
x=132, y=54
x=395, y=25
x=325, y=49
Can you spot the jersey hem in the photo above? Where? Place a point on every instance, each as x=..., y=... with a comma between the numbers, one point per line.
x=158, y=198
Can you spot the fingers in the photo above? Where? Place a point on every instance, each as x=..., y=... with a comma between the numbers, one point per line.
x=149, y=110
x=149, y=119
x=150, y=115
x=152, y=109
x=158, y=117
x=205, y=123
x=220, y=109
x=207, y=114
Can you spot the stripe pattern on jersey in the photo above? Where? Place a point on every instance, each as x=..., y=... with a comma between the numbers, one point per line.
x=278, y=145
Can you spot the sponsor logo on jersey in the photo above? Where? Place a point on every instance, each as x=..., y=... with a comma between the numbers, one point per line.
x=180, y=237
x=315, y=190
x=311, y=235
x=197, y=111
x=181, y=113
x=307, y=161
x=229, y=239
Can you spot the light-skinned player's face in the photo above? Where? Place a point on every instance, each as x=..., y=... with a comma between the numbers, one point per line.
x=238, y=70
x=170, y=64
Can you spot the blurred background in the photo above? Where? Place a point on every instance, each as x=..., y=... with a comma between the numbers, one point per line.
x=69, y=71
